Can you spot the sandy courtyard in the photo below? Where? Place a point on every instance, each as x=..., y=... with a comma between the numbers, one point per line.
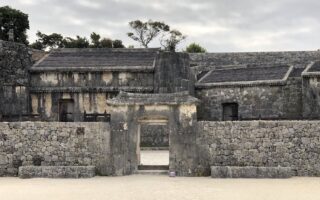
x=140, y=187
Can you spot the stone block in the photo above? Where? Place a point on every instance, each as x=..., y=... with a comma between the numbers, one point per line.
x=250, y=172
x=57, y=171
x=3, y=159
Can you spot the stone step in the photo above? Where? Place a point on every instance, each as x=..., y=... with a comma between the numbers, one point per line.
x=153, y=148
x=151, y=172
x=153, y=167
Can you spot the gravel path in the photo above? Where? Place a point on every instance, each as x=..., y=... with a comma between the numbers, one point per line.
x=144, y=187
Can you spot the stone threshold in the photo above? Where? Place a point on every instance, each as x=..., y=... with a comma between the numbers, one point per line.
x=153, y=148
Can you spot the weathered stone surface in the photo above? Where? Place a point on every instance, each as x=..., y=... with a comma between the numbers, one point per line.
x=154, y=135
x=54, y=144
x=293, y=144
x=255, y=102
x=56, y=171
x=15, y=59
x=173, y=73
x=250, y=172
x=177, y=111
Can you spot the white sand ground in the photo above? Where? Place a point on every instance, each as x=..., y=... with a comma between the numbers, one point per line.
x=159, y=157
x=145, y=187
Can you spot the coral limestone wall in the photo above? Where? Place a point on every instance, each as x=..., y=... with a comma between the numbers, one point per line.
x=54, y=144
x=15, y=59
x=294, y=144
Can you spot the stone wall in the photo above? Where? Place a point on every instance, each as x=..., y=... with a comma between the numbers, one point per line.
x=173, y=73
x=15, y=59
x=54, y=144
x=311, y=97
x=294, y=144
x=255, y=102
x=154, y=135
x=47, y=104
x=86, y=80
x=88, y=90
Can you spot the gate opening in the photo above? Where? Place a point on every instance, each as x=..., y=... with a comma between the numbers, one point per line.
x=153, y=144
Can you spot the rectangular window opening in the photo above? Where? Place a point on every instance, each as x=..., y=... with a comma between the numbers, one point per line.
x=66, y=110
x=230, y=111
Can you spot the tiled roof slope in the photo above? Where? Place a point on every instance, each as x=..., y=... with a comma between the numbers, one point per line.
x=295, y=58
x=315, y=67
x=73, y=58
x=246, y=74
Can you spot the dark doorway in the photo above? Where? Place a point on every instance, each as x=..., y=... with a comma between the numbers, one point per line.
x=66, y=110
x=230, y=111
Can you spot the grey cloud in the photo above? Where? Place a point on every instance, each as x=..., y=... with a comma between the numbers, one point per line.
x=219, y=25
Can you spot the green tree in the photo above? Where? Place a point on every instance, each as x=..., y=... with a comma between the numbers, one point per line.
x=95, y=40
x=145, y=32
x=37, y=45
x=13, y=19
x=171, y=40
x=79, y=42
x=117, y=44
x=106, y=43
x=51, y=41
x=195, y=48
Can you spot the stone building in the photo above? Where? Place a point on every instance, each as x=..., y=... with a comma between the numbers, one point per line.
x=149, y=98
x=75, y=84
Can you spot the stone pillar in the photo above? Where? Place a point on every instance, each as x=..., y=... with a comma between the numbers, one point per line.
x=11, y=35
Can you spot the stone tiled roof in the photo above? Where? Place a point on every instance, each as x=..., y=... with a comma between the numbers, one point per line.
x=313, y=70
x=97, y=58
x=210, y=61
x=296, y=72
x=125, y=98
x=245, y=74
x=295, y=58
x=315, y=67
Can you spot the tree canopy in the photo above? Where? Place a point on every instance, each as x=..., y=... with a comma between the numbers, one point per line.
x=117, y=44
x=79, y=42
x=56, y=40
x=145, y=32
x=95, y=39
x=195, y=48
x=171, y=40
x=13, y=19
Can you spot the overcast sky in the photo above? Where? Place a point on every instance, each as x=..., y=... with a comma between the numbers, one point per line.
x=217, y=25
